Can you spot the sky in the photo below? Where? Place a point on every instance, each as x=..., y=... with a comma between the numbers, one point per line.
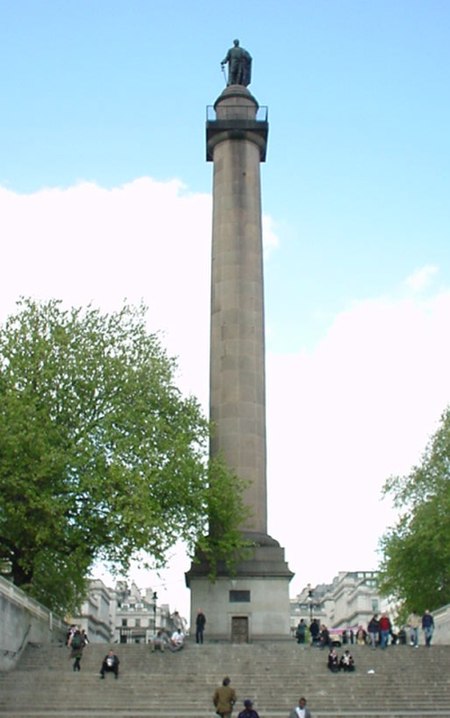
x=105, y=194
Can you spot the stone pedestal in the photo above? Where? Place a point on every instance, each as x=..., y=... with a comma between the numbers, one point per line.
x=236, y=144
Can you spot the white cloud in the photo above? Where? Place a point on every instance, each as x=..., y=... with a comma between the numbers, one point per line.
x=421, y=278
x=360, y=407
x=146, y=240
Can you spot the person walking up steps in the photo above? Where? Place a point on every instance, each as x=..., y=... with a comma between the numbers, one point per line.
x=224, y=698
x=76, y=649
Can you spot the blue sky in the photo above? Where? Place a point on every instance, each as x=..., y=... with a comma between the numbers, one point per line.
x=98, y=96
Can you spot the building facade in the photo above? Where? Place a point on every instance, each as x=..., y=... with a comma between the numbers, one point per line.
x=123, y=614
x=348, y=602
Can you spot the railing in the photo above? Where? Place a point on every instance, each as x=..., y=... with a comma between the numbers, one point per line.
x=17, y=596
x=244, y=111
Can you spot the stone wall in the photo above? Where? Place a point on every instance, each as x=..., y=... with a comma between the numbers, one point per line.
x=442, y=625
x=22, y=621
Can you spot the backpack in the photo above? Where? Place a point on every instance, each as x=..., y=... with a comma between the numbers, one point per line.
x=76, y=641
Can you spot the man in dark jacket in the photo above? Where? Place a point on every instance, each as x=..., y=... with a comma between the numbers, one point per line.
x=200, y=622
x=248, y=711
x=110, y=665
x=373, y=629
x=427, y=627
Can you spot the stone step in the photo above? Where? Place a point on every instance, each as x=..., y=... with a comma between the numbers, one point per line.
x=406, y=682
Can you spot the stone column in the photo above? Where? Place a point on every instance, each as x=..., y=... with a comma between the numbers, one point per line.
x=236, y=144
x=254, y=603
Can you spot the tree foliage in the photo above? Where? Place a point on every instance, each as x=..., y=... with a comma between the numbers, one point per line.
x=101, y=457
x=416, y=552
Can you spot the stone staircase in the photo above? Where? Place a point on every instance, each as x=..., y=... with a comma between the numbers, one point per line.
x=399, y=682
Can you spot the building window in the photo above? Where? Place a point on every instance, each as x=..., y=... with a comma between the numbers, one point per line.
x=239, y=596
x=138, y=622
x=375, y=605
x=124, y=622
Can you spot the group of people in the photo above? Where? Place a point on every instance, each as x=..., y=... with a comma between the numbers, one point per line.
x=162, y=640
x=224, y=699
x=345, y=663
x=175, y=641
x=379, y=632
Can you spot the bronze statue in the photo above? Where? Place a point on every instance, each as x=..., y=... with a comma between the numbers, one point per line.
x=239, y=65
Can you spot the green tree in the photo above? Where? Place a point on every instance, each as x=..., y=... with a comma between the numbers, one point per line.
x=415, y=567
x=101, y=457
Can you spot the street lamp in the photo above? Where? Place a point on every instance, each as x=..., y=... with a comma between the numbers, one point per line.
x=310, y=602
x=154, y=597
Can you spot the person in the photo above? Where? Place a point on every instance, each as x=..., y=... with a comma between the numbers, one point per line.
x=70, y=632
x=159, y=641
x=300, y=633
x=239, y=65
x=324, y=636
x=176, y=640
x=385, y=630
x=414, y=624
x=347, y=662
x=200, y=622
x=301, y=711
x=110, y=664
x=224, y=698
x=427, y=627
x=373, y=629
x=361, y=636
x=248, y=711
x=314, y=630
x=77, y=645
x=178, y=621
x=333, y=661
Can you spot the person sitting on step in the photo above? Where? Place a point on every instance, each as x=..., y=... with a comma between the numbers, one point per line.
x=333, y=661
x=176, y=640
x=347, y=663
x=110, y=664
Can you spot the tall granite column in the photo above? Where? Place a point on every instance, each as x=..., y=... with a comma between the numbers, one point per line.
x=237, y=142
x=255, y=603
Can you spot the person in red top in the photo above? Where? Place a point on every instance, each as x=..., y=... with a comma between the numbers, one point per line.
x=385, y=629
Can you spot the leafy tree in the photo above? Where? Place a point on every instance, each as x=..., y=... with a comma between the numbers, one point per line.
x=101, y=457
x=416, y=552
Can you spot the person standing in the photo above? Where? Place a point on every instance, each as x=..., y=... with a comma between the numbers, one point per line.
x=385, y=629
x=248, y=711
x=224, y=698
x=300, y=633
x=314, y=630
x=427, y=627
x=414, y=625
x=301, y=711
x=200, y=622
x=373, y=629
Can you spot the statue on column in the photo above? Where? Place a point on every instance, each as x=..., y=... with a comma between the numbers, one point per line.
x=239, y=65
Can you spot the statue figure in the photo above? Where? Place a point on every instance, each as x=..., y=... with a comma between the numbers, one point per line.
x=239, y=65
